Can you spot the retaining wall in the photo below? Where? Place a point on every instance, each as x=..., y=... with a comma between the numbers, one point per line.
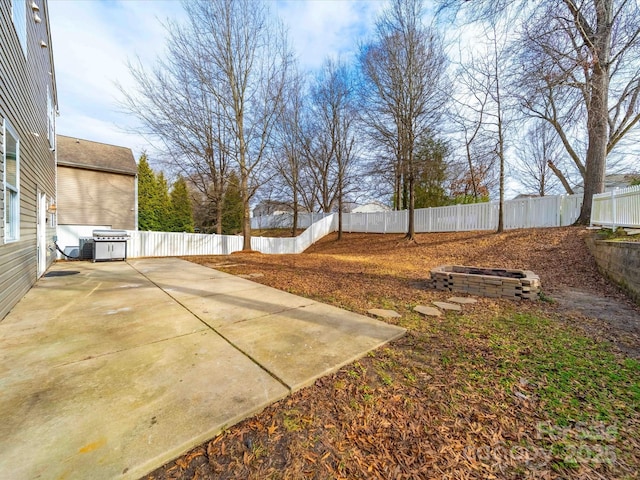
x=620, y=261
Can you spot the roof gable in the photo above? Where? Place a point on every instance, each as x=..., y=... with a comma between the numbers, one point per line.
x=79, y=153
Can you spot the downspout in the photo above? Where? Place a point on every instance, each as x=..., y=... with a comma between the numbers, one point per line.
x=55, y=184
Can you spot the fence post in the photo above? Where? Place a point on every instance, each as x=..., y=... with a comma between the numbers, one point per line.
x=614, y=211
x=458, y=216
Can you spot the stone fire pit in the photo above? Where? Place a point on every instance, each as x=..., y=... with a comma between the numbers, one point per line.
x=487, y=282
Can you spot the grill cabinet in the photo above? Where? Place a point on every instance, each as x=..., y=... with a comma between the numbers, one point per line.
x=109, y=245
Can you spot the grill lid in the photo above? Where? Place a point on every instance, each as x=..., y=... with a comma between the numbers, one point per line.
x=110, y=234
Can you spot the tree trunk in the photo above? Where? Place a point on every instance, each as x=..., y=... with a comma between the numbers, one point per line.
x=598, y=128
x=246, y=219
x=294, y=228
x=472, y=173
x=219, y=209
x=501, y=202
x=411, y=230
x=598, y=109
x=340, y=213
x=405, y=192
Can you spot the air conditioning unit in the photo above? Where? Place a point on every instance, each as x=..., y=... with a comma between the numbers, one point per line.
x=86, y=248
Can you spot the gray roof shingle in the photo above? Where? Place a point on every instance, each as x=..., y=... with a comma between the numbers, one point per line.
x=79, y=153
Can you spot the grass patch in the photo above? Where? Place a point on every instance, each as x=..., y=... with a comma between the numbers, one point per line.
x=577, y=378
x=572, y=378
x=617, y=235
x=575, y=391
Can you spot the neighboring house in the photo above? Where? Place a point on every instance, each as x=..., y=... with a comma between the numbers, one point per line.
x=371, y=207
x=272, y=207
x=28, y=105
x=613, y=181
x=522, y=196
x=97, y=189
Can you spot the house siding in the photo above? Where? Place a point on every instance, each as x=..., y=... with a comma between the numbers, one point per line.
x=91, y=197
x=23, y=103
x=1, y=182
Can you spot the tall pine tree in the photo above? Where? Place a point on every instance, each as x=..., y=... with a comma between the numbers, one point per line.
x=154, y=204
x=181, y=211
x=147, y=196
x=232, y=209
x=431, y=172
x=164, y=204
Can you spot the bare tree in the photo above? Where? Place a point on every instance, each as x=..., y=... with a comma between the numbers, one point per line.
x=587, y=77
x=470, y=117
x=540, y=152
x=403, y=70
x=332, y=152
x=176, y=109
x=482, y=77
x=579, y=72
x=248, y=58
x=216, y=97
x=495, y=76
x=289, y=151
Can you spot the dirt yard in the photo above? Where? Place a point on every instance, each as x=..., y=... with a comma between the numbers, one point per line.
x=546, y=389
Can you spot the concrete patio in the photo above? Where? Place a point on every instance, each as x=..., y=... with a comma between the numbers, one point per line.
x=109, y=370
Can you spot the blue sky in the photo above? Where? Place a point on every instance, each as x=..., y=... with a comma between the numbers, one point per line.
x=92, y=40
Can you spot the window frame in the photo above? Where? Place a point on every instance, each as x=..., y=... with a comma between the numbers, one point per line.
x=13, y=234
x=19, y=9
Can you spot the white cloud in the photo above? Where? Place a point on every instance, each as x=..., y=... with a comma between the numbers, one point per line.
x=318, y=29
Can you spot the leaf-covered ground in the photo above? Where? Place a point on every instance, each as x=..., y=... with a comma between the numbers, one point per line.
x=506, y=389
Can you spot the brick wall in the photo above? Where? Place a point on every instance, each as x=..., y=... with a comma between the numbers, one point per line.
x=488, y=282
x=620, y=261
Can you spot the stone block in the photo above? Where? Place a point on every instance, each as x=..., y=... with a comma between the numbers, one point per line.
x=448, y=306
x=426, y=310
x=462, y=300
x=382, y=313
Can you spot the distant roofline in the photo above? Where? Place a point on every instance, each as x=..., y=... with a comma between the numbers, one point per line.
x=92, y=141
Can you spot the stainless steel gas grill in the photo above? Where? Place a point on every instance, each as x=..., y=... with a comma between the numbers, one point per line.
x=109, y=245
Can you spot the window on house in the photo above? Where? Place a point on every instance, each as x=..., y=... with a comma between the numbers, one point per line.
x=11, y=185
x=19, y=16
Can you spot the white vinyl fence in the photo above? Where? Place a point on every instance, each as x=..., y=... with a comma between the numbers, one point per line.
x=618, y=208
x=523, y=213
x=552, y=211
x=169, y=244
